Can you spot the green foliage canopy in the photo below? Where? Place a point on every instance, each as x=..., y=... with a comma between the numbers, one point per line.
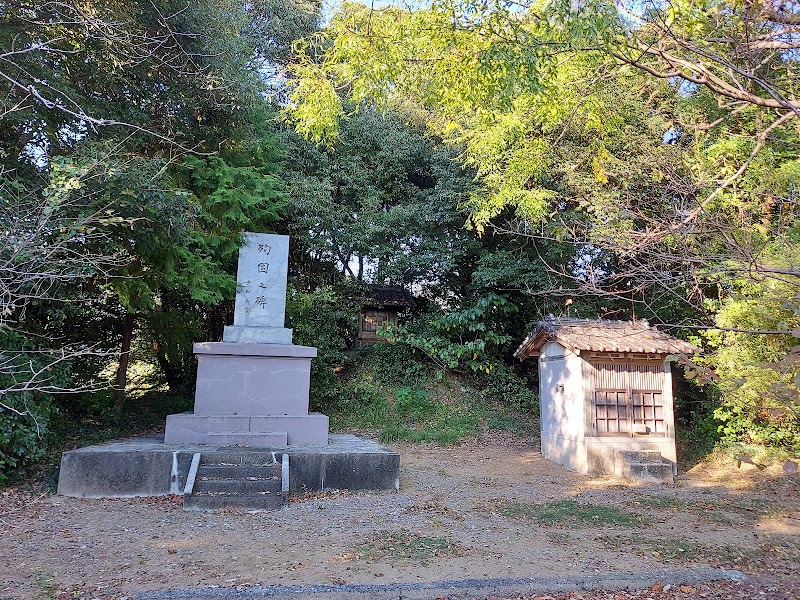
x=136, y=144
x=658, y=139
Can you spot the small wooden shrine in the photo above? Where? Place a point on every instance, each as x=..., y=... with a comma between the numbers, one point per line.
x=382, y=306
x=605, y=389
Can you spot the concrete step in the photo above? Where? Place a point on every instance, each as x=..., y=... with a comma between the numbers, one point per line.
x=236, y=486
x=242, y=456
x=652, y=472
x=232, y=480
x=265, y=501
x=641, y=456
x=643, y=465
x=238, y=472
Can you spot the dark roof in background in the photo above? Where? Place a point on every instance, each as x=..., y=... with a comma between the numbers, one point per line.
x=379, y=296
x=598, y=335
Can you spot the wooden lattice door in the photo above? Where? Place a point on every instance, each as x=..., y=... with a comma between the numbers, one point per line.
x=627, y=398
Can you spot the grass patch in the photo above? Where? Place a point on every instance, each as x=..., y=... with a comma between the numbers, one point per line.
x=675, y=549
x=752, y=509
x=446, y=430
x=664, y=503
x=776, y=553
x=671, y=549
x=711, y=510
x=406, y=414
x=570, y=512
x=516, y=422
x=404, y=546
x=744, y=558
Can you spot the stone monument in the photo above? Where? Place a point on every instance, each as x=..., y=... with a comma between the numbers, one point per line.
x=252, y=387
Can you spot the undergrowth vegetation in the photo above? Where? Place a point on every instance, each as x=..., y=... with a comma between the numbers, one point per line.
x=393, y=391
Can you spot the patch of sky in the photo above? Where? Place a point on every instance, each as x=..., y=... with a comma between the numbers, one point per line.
x=672, y=135
x=329, y=7
x=588, y=264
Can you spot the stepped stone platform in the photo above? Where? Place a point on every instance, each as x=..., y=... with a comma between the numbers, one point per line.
x=250, y=395
x=253, y=386
x=146, y=466
x=644, y=465
x=232, y=480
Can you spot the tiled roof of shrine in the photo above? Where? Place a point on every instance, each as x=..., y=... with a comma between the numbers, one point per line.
x=598, y=335
x=382, y=296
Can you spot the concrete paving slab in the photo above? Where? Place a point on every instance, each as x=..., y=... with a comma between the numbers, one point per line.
x=146, y=466
x=458, y=588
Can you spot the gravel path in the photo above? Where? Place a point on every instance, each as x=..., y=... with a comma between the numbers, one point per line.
x=462, y=513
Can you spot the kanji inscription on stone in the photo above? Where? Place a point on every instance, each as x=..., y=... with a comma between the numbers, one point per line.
x=261, y=291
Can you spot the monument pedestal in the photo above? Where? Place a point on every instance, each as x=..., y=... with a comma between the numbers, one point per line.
x=258, y=335
x=250, y=395
x=252, y=390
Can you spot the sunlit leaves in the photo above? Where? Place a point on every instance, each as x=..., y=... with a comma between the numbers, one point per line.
x=315, y=106
x=758, y=374
x=439, y=57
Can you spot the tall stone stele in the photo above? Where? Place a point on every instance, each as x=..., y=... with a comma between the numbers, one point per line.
x=252, y=387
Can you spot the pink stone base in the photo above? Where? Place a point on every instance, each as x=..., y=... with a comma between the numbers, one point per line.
x=250, y=395
x=189, y=428
x=249, y=438
x=252, y=379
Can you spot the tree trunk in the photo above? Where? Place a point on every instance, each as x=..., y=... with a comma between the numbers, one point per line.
x=124, y=358
x=169, y=370
x=346, y=265
x=216, y=323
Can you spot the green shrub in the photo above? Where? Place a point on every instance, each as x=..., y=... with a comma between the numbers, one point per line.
x=23, y=422
x=326, y=320
x=507, y=388
x=25, y=408
x=696, y=428
x=758, y=375
x=463, y=338
x=395, y=365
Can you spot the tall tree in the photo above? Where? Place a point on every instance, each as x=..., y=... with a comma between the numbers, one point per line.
x=136, y=145
x=384, y=202
x=659, y=138
x=478, y=67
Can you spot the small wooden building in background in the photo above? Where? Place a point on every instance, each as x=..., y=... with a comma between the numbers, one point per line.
x=605, y=389
x=382, y=306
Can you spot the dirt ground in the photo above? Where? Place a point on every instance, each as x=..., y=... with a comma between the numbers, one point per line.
x=486, y=509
